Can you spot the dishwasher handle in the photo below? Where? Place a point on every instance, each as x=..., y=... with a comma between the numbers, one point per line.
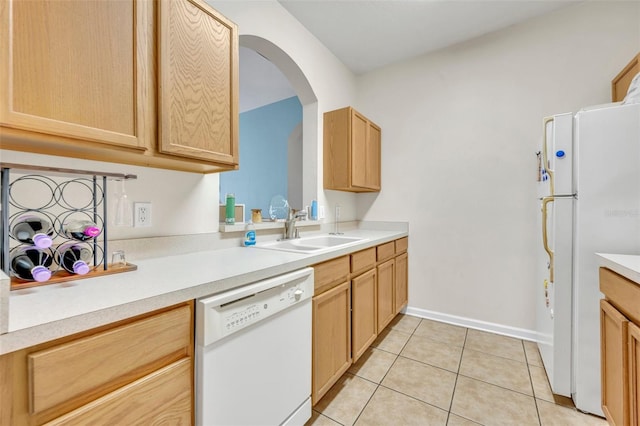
x=251, y=289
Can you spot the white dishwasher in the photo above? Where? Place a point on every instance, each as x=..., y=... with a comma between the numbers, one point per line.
x=253, y=353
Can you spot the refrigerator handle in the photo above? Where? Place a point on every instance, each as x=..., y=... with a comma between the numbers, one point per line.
x=545, y=240
x=545, y=156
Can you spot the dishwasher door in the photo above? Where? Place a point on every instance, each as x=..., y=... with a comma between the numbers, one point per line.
x=253, y=353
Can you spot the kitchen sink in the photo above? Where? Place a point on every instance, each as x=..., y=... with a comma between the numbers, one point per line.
x=310, y=244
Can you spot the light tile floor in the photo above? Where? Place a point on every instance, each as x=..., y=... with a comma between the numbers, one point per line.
x=423, y=372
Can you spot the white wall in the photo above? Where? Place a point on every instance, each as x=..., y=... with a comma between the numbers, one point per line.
x=460, y=129
x=182, y=203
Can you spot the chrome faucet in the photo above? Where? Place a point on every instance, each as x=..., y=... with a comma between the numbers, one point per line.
x=290, y=230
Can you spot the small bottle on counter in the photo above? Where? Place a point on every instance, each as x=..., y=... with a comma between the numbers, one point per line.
x=80, y=230
x=31, y=263
x=249, y=235
x=230, y=210
x=74, y=258
x=33, y=229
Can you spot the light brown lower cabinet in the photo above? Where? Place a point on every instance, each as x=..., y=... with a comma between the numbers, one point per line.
x=363, y=313
x=331, y=338
x=386, y=283
x=634, y=369
x=402, y=282
x=619, y=349
x=614, y=359
x=140, y=401
x=355, y=297
x=138, y=371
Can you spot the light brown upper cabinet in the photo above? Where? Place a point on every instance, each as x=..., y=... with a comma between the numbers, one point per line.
x=134, y=82
x=620, y=84
x=198, y=82
x=351, y=152
x=69, y=69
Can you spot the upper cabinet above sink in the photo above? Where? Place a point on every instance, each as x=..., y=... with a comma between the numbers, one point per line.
x=351, y=152
x=151, y=83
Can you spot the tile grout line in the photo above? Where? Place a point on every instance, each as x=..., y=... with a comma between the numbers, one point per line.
x=385, y=374
x=533, y=391
x=455, y=383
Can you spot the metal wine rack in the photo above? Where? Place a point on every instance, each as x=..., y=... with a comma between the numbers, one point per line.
x=73, y=194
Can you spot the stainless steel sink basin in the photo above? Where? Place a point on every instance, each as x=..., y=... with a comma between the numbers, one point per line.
x=310, y=244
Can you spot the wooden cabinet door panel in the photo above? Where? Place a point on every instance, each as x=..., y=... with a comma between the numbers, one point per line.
x=634, y=374
x=330, y=273
x=198, y=96
x=373, y=161
x=104, y=361
x=359, y=130
x=614, y=364
x=331, y=338
x=162, y=397
x=386, y=306
x=620, y=84
x=363, y=313
x=401, y=296
x=363, y=261
x=56, y=79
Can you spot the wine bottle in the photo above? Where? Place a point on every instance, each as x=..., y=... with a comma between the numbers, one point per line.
x=33, y=229
x=31, y=263
x=74, y=258
x=80, y=230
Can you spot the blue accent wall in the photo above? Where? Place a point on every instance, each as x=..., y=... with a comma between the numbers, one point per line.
x=264, y=134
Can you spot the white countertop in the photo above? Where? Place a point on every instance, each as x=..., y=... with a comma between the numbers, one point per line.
x=627, y=265
x=44, y=313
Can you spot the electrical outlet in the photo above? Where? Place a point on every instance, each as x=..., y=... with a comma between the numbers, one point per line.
x=141, y=215
x=320, y=212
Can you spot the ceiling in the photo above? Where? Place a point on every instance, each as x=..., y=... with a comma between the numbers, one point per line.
x=369, y=34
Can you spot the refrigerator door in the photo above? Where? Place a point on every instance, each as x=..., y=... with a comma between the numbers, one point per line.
x=607, y=220
x=554, y=288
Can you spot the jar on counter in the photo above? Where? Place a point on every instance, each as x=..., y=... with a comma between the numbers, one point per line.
x=256, y=215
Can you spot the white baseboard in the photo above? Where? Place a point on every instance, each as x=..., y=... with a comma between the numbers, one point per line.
x=518, y=333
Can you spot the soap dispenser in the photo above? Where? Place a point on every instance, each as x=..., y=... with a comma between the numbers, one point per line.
x=249, y=235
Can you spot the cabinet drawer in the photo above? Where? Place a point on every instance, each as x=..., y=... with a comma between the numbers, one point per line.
x=622, y=293
x=401, y=245
x=131, y=404
x=363, y=260
x=330, y=273
x=105, y=361
x=386, y=251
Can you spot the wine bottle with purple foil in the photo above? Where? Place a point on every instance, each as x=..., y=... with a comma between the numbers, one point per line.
x=31, y=263
x=33, y=229
x=81, y=230
x=74, y=258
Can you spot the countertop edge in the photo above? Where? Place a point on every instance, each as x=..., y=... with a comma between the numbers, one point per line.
x=627, y=265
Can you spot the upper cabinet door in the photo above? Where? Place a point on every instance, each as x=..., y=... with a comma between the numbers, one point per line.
x=198, y=78
x=351, y=151
x=69, y=68
x=373, y=157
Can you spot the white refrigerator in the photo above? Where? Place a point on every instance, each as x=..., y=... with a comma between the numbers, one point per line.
x=589, y=192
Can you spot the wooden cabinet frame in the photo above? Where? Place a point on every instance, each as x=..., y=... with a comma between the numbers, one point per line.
x=128, y=106
x=372, y=305
x=352, y=152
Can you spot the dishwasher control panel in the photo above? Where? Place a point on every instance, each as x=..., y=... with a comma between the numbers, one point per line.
x=222, y=315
